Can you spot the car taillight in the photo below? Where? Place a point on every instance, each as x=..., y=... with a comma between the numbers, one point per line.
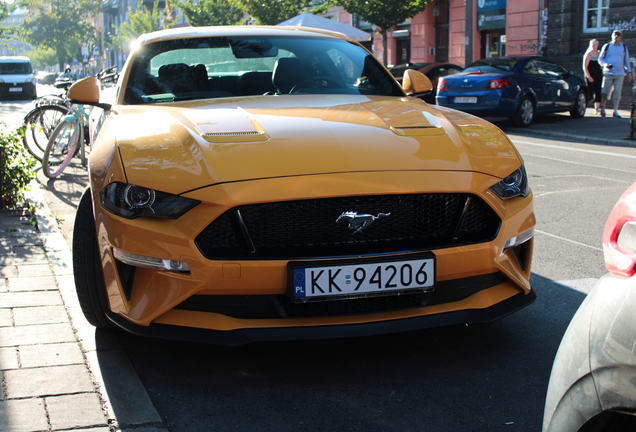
x=619, y=236
x=441, y=84
x=498, y=83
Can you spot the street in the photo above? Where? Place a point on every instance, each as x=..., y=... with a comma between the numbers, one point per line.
x=464, y=378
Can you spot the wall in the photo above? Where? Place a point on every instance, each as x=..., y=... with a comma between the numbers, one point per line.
x=522, y=28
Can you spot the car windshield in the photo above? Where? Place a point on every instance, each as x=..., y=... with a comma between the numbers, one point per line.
x=217, y=67
x=15, y=68
x=493, y=65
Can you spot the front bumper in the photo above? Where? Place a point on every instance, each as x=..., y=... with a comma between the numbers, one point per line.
x=18, y=90
x=250, y=335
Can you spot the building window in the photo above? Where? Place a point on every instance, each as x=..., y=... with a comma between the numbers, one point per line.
x=596, y=13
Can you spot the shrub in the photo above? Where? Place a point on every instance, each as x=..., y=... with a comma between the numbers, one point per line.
x=16, y=167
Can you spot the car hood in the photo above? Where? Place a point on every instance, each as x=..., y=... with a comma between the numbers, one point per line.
x=184, y=146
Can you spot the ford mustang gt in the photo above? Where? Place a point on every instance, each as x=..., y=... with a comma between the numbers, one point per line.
x=277, y=183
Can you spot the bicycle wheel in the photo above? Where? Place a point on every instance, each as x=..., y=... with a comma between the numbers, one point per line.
x=63, y=144
x=40, y=124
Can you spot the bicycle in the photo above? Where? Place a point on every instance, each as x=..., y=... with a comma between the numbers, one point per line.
x=49, y=110
x=65, y=141
x=42, y=120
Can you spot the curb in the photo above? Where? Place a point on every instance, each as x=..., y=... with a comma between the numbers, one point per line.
x=124, y=398
x=579, y=138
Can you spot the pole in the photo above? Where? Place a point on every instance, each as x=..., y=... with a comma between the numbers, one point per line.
x=469, y=32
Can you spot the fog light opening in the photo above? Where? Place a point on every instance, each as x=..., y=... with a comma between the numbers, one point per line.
x=150, y=262
x=520, y=239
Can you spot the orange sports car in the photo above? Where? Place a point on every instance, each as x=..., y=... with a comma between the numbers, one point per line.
x=275, y=183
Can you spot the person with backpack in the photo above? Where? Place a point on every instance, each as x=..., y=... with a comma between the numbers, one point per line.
x=614, y=58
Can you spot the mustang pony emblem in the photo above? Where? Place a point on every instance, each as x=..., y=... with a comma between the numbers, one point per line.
x=359, y=222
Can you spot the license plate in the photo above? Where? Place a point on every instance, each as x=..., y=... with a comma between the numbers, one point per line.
x=471, y=99
x=15, y=89
x=335, y=280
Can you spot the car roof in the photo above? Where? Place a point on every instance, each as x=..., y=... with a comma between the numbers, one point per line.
x=194, y=32
x=14, y=59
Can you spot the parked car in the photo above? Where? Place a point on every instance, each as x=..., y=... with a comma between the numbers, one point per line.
x=515, y=87
x=269, y=183
x=593, y=381
x=46, y=78
x=434, y=71
x=17, y=79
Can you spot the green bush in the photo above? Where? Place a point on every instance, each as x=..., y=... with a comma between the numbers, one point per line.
x=16, y=166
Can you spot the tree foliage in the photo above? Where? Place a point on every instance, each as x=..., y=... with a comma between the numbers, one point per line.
x=272, y=12
x=141, y=21
x=42, y=57
x=384, y=14
x=60, y=25
x=211, y=12
x=5, y=32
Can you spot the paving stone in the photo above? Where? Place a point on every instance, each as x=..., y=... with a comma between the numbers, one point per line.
x=36, y=334
x=55, y=242
x=48, y=381
x=98, y=429
x=34, y=270
x=23, y=255
x=26, y=299
x=3, y=284
x=50, y=355
x=62, y=262
x=23, y=415
x=22, y=238
x=42, y=283
x=73, y=411
x=39, y=315
x=66, y=284
x=9, y=271
x=5, y=318
x=9, y=358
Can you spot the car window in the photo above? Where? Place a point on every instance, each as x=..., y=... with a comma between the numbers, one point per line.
x=549, y=68
x=506, y=64
x=217, y=67
x=15, y=68
x=531, y=68
x=448, y=70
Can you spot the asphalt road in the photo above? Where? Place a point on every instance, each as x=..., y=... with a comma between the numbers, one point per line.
x=464, y=378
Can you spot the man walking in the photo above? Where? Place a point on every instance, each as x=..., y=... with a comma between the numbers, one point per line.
x=614, y=58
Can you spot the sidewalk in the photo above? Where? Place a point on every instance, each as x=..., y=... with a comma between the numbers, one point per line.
x=592, y=128
x=58, y=372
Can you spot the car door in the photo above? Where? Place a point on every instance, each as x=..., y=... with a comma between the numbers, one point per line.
x=559, y=87
x=540, y=83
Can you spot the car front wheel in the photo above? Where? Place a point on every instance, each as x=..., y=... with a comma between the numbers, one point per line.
x=525, y=113
x=580, y=105
x=89, y=279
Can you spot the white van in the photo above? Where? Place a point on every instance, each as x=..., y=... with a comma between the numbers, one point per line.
x=17, y=78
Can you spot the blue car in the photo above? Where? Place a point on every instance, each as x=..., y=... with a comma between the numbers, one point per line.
x=515, y=87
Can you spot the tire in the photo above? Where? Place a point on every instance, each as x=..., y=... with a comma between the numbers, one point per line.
x=40, y=124
x=87, y=268
x=62, y=146
x=580, y=105
x=525, y=113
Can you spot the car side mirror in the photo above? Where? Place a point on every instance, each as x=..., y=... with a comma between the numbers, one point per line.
x=569, y=74
x=86, y=92
x=414, y=82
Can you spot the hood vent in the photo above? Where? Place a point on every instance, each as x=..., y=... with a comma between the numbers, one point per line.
x=418, y=130
x=239, y=136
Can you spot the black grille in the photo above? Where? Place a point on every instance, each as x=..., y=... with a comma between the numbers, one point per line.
x=308, y=228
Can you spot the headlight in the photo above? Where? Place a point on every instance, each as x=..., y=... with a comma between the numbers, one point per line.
x=514, y=185
x=29, y=80
x=1, y=80
x=131, y=201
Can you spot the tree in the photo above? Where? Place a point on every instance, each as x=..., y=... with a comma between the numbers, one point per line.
x=42, y=57
x=211, y=12
x=274, y=12
x=60, y=25
x=384, y=14
x=139, y=22
x=5, y=32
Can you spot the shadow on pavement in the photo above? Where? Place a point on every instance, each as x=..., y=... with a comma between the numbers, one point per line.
x=469, y=378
